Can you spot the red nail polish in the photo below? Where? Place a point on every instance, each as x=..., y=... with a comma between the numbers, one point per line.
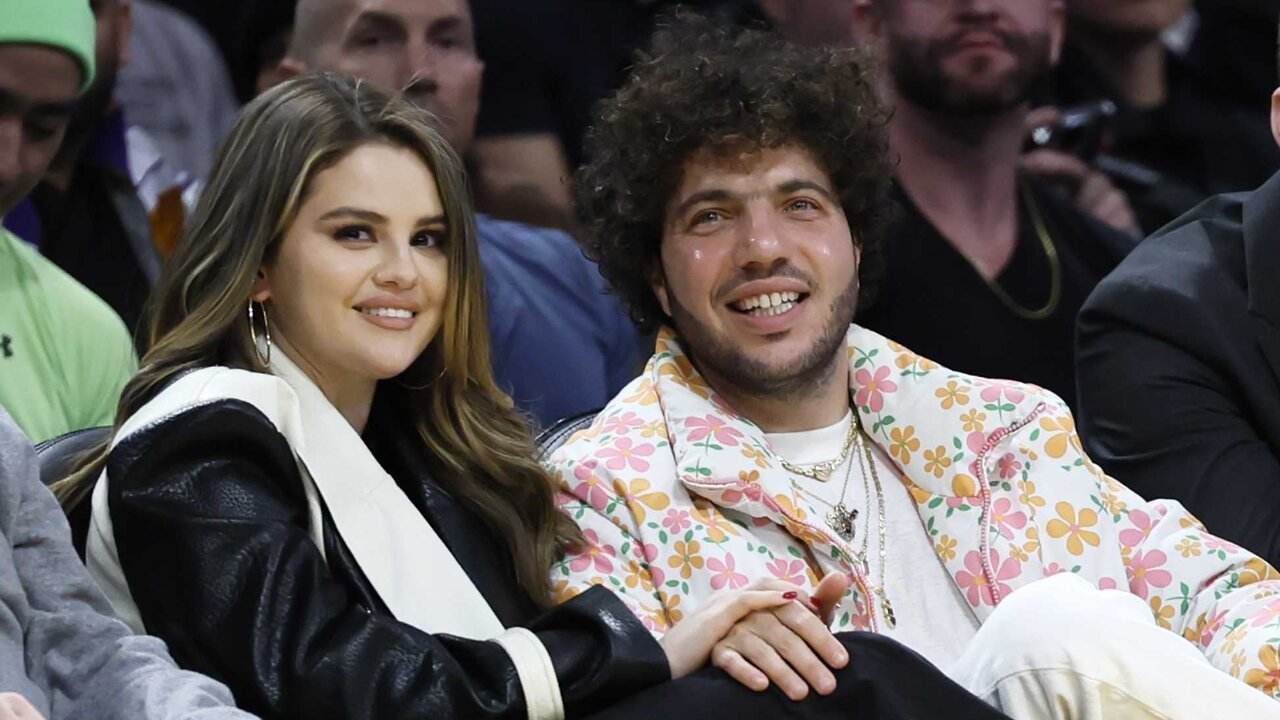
x=789, y=595
x=817, y=602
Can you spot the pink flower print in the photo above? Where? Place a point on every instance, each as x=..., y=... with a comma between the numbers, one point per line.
x=1053, y=568
x=1269, y=613
x=712, y=426
x=1006, y=521
x=624, y=452
x=1008, y=466
x=791, y=571
x=992, y=393
x=622, y=424
x=725, y=574
x=591, y=488
x=676, y=521
x=1144, y=569
x=1107, y=583
x=651, y=553
x=974, y=581
x=1217, y=543
x=872, y=388
x=1142, y=527
x=593, y=553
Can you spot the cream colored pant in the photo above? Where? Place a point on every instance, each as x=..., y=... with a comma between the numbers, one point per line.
x=1061, y=649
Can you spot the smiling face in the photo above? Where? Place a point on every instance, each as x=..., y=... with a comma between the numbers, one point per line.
x=357, y=289
x=759, y=272
x=970, y=56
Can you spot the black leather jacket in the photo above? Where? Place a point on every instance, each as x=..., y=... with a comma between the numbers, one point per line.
x=210, y=523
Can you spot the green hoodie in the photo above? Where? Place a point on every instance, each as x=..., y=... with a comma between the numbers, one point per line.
x=67, y=25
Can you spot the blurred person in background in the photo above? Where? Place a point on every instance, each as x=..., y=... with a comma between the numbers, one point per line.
x=64, y=354
x=175, y=87
x=1179, y=135
x=1179, y=365
x=988, y=263
x=88, y=214
x=547, y=62
x=561, y=345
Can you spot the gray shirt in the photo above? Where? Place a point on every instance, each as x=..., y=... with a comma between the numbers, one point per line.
x=60, y=645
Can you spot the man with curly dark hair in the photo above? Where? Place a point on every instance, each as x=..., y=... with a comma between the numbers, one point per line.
x=734, y=197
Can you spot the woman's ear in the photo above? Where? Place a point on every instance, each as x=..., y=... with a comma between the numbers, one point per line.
x=261, y=289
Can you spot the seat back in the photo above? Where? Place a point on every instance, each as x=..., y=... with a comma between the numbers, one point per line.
x=59, y=455
x=552, y=438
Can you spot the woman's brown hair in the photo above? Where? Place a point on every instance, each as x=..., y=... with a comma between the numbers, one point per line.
x=473, y=436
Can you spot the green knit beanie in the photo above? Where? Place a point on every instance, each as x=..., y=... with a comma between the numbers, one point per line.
x=66, y=25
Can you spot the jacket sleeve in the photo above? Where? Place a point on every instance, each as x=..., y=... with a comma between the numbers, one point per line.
x=613, y=554
x=87, y=662
x=211, y=529
x=1214, y=593
x=1159, y=417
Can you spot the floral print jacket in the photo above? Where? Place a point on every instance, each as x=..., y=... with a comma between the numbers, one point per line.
x=679, y=497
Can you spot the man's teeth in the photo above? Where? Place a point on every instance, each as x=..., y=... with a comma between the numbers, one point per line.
x=768, y=304
x=388, y=312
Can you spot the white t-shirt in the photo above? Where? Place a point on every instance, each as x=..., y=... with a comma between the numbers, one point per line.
x=933, y=617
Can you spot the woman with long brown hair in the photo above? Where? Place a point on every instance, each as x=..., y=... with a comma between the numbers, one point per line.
x=314, y=490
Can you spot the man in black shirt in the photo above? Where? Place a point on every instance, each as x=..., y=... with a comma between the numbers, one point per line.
x=986, y=268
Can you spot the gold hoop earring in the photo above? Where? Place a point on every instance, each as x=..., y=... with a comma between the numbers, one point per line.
x=264, y=357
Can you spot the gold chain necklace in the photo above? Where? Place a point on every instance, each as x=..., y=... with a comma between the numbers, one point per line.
x=1055, y=268
x=841, y=519
x=821, y=471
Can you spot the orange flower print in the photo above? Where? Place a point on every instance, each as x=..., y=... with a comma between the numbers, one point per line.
x=1234, y=636
x=974, y=421
x=1071, y=524
x=946, y=548
x=1018, y=553
x=674, y=613
x=637, y=497
x=1163, y=613
x=952, y=395
x=564, y=592
x=717, y=527
x=936, y=461
x=687, y=558
x=789, y=508
x=1237, y=664
x=645, y=394
x=655, y=429
x=903, y=443
x=1188, y=548
x=1268, y=678
x=755, y=455
x=1061, y=431
x=682, y=373
x=1256, y=570
x=964, y=486
x=1113, y=505
x=1027, y=496
x=637, y=577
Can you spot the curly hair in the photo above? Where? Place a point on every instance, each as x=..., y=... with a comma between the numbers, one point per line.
x=706, y=87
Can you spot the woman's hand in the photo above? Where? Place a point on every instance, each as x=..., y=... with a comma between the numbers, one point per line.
x=790, y=645
x=765, y=632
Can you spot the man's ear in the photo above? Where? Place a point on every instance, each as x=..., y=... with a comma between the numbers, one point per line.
x=288, y=68
x=866, y=20
x=1275, y=116
x=658, y=283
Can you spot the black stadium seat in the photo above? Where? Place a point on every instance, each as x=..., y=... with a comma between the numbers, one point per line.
x=57, y=457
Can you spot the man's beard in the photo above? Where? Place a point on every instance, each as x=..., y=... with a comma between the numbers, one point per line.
x=916, y=68
x=719, y=359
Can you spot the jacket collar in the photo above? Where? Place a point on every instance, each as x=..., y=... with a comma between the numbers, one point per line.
x=1262, y=250
x=726, y=458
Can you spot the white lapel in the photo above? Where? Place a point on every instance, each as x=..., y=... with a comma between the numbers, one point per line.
x=397, y=549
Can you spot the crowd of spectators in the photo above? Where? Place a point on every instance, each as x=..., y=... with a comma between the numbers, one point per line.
x=1060, y=212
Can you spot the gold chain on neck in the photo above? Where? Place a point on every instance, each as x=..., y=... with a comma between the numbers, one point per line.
x=1055, y=268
